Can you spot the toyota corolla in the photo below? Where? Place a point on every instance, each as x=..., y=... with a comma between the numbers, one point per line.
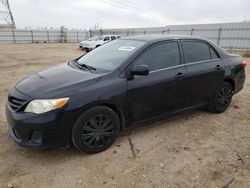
x=126, y=82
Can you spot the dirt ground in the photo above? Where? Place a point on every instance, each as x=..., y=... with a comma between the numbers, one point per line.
x=194, y=149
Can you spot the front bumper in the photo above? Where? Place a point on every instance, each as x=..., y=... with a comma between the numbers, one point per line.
x=86, y=47
x=44, y=131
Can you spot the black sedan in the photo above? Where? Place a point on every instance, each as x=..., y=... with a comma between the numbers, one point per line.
x=123, y=83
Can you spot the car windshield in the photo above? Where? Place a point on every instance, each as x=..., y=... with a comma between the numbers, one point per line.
x=95, y=38
x=109, y=56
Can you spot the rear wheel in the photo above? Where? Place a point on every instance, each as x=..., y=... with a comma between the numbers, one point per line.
x=87, y=50
x=95, y=130
x=222, y=98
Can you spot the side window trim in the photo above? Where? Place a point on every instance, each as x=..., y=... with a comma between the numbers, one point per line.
x=203, y=61
x=172, y=67
x=212, y=49
x=159, y=43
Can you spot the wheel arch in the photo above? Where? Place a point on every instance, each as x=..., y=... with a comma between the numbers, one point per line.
x=230, y=81
x=118, y=112
x=110, y=105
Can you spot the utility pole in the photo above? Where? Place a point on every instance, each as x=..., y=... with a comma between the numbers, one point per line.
x=6, y=17
x=96, y=26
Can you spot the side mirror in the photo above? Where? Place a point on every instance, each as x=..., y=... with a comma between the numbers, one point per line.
x=140, y=70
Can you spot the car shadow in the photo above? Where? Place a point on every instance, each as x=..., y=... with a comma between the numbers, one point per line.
x=164, y=121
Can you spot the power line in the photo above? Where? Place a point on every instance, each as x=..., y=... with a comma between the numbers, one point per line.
x=133, y=7
x=130, y=8
x=141, y=7
x=138, y=4
x=142, y=10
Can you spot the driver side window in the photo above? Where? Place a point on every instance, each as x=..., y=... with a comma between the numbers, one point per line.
x=161, y=56
x=106, y=39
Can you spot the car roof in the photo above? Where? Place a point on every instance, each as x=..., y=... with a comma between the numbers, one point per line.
x=109, y=35
x=159, y=38
x=152, y=38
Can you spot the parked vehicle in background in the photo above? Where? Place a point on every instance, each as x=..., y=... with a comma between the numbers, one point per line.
x=121, y=84
x=97, y=41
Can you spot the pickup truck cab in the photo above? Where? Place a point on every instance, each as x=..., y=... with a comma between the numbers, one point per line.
x=97, y=41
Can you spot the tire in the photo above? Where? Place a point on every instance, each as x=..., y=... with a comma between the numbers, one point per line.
x=222, y=98
x=87, y=50
x=95, y=130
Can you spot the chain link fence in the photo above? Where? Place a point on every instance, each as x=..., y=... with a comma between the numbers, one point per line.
x=41, y=36
x=234, y=39
x=230, y=36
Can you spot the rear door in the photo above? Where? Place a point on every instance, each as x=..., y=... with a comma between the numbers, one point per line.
x=205, y=70
x=164, y=89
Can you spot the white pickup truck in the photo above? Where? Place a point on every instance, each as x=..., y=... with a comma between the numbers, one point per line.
x=97, y=41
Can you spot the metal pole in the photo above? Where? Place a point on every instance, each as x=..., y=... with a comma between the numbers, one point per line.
x=219, y=36
x=48, y=35
x=62, y=37
x=13, y=35
x=168, y=31
x=77, y=36
x=32, y=37
x=192, y=30
x=90, y=33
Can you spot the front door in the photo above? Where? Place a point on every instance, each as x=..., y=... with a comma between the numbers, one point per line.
x=162, y=91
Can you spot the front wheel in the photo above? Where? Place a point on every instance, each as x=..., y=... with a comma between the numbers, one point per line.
x=95, y=130
x=222, y=98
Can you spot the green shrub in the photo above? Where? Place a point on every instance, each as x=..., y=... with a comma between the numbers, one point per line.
x=246, y=54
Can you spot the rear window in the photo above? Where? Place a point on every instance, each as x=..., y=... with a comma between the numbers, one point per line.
x=195, y=51
x=106, y=39
x=113, y=37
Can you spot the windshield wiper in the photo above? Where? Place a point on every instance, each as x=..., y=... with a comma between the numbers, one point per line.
x=90, y=68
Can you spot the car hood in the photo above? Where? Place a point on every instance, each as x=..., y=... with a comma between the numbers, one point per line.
x=56, y=81
x=84, y=41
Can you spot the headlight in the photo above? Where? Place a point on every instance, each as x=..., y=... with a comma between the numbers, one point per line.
x=45, y=105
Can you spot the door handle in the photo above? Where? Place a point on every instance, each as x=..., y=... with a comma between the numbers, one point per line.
x=218, y=67
x=179, y=75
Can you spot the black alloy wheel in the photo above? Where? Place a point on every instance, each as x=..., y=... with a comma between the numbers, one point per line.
x=98, y=131
x=95, y=130
x=222, y=99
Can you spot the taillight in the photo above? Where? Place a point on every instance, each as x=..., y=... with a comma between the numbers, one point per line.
x=244, y=63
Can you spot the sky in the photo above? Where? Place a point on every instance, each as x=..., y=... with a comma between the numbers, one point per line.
x=84, y=14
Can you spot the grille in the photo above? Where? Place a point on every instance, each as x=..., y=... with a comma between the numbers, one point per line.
x=16, y=103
